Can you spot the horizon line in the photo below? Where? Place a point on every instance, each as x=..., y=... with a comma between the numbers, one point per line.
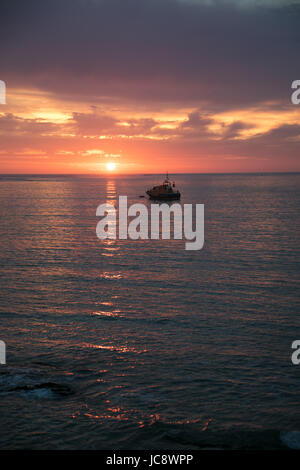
x=153, y=173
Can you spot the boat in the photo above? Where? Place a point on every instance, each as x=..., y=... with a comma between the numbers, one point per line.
x=165, y=191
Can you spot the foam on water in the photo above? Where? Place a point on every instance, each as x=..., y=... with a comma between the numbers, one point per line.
x=291, y=439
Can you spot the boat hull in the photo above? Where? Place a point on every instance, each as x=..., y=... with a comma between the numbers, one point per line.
x=164, y=197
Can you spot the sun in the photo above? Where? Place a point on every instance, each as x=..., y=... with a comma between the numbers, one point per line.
x=110, y=166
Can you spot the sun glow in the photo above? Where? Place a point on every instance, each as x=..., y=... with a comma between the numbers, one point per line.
x=110, y=166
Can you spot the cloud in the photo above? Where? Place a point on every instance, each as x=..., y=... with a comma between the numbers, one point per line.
x=152, y=78
x=91, y=123
x=14, y=125
x=244, y=3
x=158, y=51
x=233, y=130
x=196, y=121
x=282, y=134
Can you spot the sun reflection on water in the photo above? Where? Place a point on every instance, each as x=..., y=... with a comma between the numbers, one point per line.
x=114, y=348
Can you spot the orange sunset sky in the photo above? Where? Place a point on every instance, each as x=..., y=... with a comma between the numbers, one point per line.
x=188, y=86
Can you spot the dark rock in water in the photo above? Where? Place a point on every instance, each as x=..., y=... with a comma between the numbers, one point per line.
x=56, y=388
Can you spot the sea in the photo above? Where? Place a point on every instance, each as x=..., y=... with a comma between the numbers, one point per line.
x=142, y=344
